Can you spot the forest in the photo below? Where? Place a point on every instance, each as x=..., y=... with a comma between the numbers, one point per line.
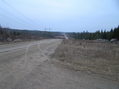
x=8, y=34
x=100, y=34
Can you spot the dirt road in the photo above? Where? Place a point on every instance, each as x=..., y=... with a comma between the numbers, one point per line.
x=29, y=66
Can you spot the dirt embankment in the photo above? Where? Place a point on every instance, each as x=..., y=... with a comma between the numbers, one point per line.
x=94, y=57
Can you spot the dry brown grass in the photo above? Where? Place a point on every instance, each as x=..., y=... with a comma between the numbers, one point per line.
x=92, y=56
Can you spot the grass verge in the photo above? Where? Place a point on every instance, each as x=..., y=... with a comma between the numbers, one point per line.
x=96, y=57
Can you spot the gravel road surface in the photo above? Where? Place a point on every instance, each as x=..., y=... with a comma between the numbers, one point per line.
x=28, y=65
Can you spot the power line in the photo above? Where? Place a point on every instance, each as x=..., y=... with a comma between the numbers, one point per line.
x=16, y=10
x=10, y=19
x=11, y=16
x=28, y=20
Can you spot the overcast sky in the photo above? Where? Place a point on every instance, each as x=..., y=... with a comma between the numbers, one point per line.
x=60, y=15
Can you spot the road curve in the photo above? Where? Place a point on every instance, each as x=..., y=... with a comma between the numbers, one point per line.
x=29, y=66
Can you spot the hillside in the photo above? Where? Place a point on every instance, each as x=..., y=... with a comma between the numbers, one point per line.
x=7, y=34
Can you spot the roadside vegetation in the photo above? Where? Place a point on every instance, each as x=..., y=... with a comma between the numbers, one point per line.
x=90, y=56
x=8, y=34
x=101, y=34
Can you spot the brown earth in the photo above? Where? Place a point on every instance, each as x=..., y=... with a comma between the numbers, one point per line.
x=29, y=65
x=96, y=57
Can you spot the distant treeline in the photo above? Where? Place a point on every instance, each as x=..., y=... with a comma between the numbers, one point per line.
x=7, y=34
x=112, y=34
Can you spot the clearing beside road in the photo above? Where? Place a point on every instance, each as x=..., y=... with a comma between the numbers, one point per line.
x=95, y=57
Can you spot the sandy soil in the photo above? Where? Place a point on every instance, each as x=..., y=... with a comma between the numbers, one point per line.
x=29, y=66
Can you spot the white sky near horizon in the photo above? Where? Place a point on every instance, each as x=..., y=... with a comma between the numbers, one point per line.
x=60, y=15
